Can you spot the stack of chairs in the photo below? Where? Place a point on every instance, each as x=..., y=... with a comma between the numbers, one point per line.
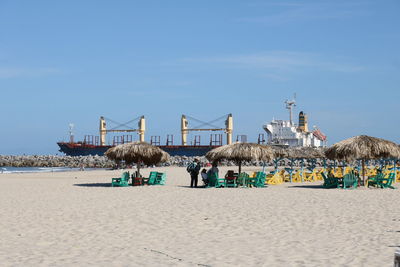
x=242, y=179
x=310, y=176
x=256, y=180
x=371, y=171
x=297, y=176
x=286, y=175
x=155, y=178
x=338, y=172
x=121, y=181
x=318, y=175
x=276, y=177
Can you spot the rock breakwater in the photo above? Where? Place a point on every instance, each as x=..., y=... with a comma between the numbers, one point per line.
x=104, y=162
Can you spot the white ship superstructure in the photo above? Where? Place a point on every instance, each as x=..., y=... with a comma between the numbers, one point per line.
x=287, y=133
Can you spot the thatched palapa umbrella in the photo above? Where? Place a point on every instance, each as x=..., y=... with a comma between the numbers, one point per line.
x=304, y=152
x=279, y=154
x=301, y=153
x=240, y=152
x=363, y=147
x=137, y=152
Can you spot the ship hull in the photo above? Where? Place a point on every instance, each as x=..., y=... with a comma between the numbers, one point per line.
x=78, y=149
x=188, y=151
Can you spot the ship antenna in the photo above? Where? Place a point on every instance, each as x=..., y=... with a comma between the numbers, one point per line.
x=290, y=104
x=71, y=132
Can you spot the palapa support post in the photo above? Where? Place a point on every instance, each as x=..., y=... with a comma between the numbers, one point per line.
x=137, y=172
x=276, y=161
x=302, y=170
x=240, y=171
x=395, y=170
x=363, y=172
x=313, y=164
x=291, y=169
x=138, y=168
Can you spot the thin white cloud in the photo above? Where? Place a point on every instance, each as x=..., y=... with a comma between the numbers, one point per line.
x=277, y=4
x=282, y=61
x=26, y=72
x=275, y=77
x=294, y=12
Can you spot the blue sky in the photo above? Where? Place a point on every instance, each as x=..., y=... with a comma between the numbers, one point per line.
x=74, y=61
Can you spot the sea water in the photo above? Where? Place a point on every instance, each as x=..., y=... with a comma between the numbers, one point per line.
x=40, y=169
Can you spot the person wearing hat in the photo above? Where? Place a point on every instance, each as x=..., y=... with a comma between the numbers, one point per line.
x=194, y=169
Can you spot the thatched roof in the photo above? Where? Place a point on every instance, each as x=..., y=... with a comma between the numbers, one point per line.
x=279, y=152
x=304, y=153
x=137, y=152
x=241, y=152
x=298, y=152
x=363, y=147
x=165, y=156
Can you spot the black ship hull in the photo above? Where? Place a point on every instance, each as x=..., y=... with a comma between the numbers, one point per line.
x=77, y=149
x=80, y=149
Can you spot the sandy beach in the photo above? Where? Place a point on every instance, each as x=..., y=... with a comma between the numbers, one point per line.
x=76, y=218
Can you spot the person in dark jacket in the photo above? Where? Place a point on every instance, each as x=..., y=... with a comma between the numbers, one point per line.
x=194, y=169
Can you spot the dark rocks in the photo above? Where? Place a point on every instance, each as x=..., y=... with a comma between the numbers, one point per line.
x=104, y=162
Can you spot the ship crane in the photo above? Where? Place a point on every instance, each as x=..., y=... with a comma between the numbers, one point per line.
x=290, y=104
x=228, y=127
x=103, y=128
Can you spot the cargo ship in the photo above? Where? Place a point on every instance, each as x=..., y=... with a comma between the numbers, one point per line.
x=279, y=133
x=96, y=145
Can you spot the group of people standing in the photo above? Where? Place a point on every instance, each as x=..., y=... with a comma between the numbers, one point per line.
x=194, y=170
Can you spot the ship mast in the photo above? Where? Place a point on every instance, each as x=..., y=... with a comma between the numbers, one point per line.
x=71, y=133
x=290, y=104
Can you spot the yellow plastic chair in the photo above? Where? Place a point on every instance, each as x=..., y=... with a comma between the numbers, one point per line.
x=319, y=174
x=277, y=178
x=296, y=178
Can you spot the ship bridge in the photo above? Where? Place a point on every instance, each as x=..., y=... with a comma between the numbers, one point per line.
x=287, y=133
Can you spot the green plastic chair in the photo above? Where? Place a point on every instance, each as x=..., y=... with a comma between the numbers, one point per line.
x=215, y=181
x=122, y=181
x=373, y=181
x=257, y=181
x=387, y=182
x=350, y=180
x=230, y=180
x=330, y=182
x=251, y=181
x=380, y=181
x=160, y=178
x=152, y=178
x=260, y=179
x=242, y=179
